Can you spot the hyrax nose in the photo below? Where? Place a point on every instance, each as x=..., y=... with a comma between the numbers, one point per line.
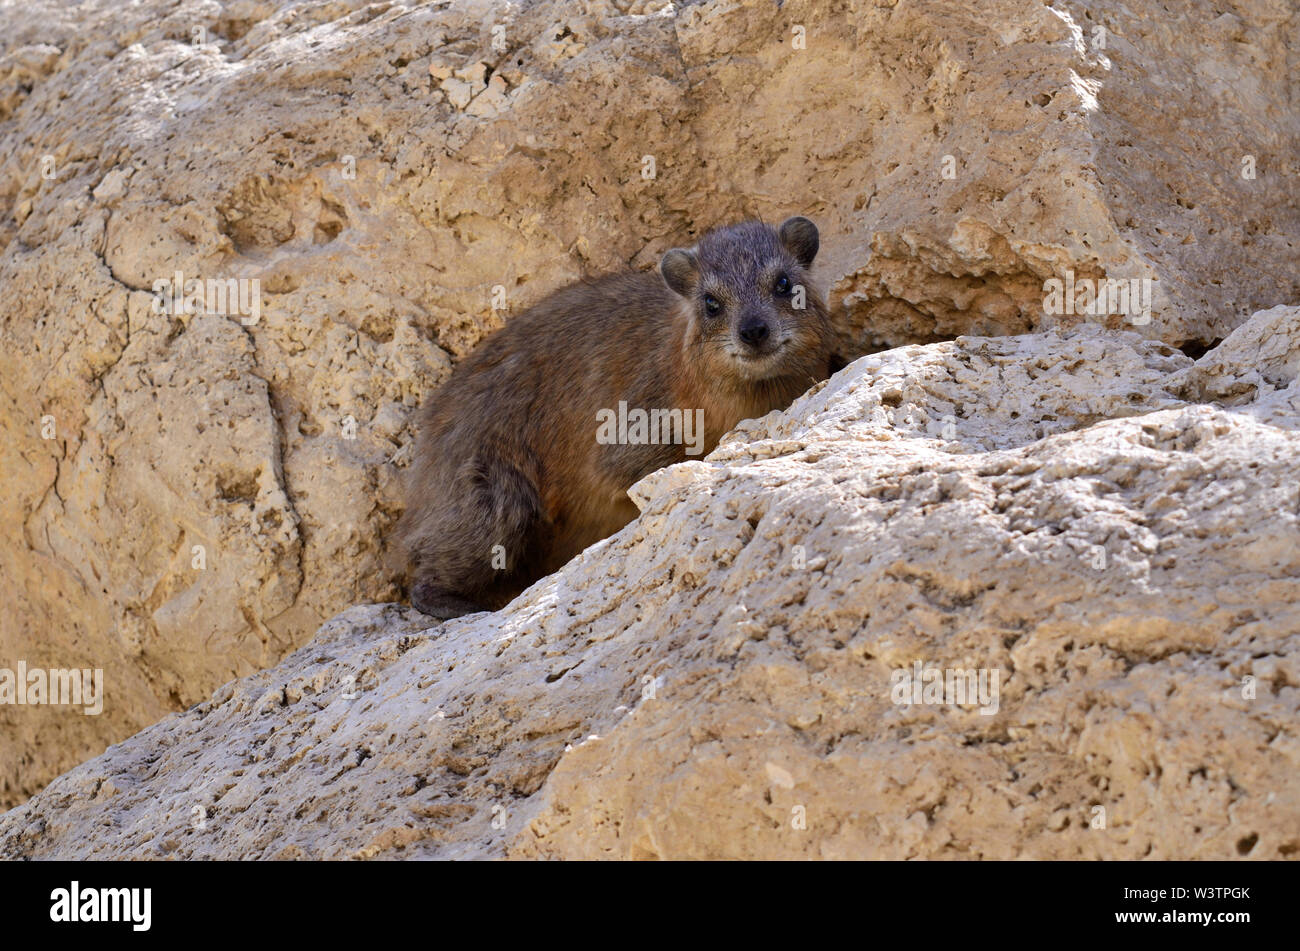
x=753, y=332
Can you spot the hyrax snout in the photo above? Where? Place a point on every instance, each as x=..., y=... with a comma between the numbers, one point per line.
x=524, y=457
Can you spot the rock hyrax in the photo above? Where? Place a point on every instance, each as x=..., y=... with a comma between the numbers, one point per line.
x=525, y=455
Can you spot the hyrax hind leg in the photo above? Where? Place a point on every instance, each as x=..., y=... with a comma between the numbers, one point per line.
x=474, y=552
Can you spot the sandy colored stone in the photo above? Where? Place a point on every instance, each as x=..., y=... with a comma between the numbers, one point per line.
x=715, y=680
x=312, y=147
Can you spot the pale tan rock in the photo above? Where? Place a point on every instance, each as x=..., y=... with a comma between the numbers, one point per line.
x=716, y=681
x=1257, y=359
x=459, y=92
x=311, y=147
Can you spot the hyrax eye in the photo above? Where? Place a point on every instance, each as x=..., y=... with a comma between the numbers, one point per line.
x=712, y=305
x=782, y=286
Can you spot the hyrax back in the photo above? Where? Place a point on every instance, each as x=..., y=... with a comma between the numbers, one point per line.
x=515, y=470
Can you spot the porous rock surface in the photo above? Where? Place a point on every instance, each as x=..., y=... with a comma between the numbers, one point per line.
x=715, y=680
x=187, y=498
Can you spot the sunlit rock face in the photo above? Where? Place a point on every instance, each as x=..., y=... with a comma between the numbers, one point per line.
x=189, y=496
x=1109, y=566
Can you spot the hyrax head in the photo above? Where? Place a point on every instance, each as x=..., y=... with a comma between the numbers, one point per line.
x=754, y=311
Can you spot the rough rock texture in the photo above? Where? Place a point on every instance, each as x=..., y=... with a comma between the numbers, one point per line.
x=715, y=680
x=380, y=168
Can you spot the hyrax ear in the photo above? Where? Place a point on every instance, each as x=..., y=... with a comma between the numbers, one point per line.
x=680, y=270
x=799, y=235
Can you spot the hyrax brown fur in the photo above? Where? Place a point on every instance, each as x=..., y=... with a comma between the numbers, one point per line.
x=508, y=452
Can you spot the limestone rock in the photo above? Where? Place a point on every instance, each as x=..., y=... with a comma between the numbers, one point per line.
x=718, y=680
x=382, y=169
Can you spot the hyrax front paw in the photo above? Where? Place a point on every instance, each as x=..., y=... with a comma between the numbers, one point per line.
x=440, y=604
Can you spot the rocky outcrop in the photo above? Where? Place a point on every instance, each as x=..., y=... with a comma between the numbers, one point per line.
x=189, y=496
x=721, y=678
